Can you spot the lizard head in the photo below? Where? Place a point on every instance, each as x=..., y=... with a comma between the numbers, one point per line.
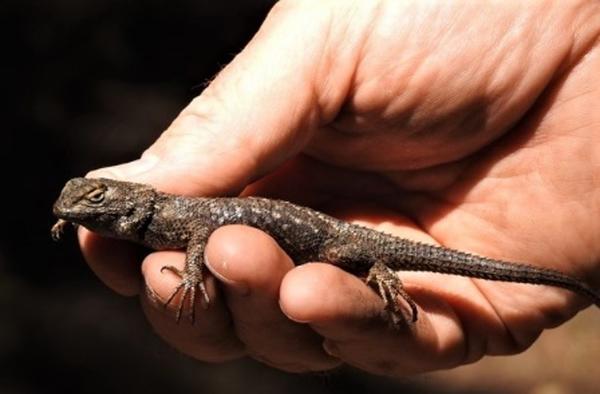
x=106, y=206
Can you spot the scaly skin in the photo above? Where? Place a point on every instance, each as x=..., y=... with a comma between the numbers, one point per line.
x=139, y=213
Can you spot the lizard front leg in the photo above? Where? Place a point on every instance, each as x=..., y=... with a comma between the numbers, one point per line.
x=192, y=276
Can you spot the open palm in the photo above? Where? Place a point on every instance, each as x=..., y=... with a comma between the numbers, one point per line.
x=471, y=126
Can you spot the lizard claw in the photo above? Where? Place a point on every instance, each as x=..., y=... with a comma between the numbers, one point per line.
x=187, y=288
x=58, y=229
x=385, y=281
x=173, y=269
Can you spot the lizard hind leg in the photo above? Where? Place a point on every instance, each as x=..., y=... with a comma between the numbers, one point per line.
x=385, y=281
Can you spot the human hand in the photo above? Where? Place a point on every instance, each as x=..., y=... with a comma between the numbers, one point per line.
x=469, y=125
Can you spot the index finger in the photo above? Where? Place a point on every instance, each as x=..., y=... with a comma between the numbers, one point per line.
x=115, y=262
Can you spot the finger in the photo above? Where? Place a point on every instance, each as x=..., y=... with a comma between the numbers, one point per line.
x=116, y=263
x=258, y=112
x=211, y=336
x=252, y=265
x=347, y=313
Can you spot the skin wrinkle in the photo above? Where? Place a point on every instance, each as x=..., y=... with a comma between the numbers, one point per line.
x=317, y=92
x=247, y=145
x=562, y=101
x=357, y=78
x=337, y=53
x=182, y=135
x=497, y=85
x=479, y=221
x=449, y=102
x=468, y=354
x=359, y=50
x=388, y=107
x=586, y=36
x=554, y=184
x=405, y=95
x=509, y=341
x=488, y=227
x=429, y=180
x=524, y=70
x=305, y=117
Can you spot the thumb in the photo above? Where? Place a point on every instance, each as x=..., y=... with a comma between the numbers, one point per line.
x=258, y=112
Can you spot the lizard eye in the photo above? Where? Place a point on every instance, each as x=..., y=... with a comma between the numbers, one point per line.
x=96, y=196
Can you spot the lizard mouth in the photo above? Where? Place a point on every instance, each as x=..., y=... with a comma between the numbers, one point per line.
x=62, y=211
x=57, y=210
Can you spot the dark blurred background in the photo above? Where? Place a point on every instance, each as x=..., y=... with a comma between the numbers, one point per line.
x=89, y=83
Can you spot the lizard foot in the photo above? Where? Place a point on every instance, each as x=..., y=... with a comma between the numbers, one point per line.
x=385, y=281
x=187, y=288
x=58, y=229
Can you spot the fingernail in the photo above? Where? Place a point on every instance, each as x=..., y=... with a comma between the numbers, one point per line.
x=238, y=287
x=128, y=170
x=152, y=295
x=331, y=348
x=292, y=318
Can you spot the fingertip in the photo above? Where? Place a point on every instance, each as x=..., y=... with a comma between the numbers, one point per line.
x=161, y=283
x=210, y=336
x=131, y=171
x=303, y=295
x=319, y=294
x=115, y=262
x=244, y=257
x=162, y=287
x=350, y=317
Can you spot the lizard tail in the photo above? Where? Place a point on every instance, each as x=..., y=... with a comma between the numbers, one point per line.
x=443, y=260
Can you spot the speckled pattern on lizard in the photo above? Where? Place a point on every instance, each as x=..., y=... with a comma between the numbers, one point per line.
x=139, y=213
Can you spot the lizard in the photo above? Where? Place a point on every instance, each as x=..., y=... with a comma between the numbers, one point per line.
x=139, y=213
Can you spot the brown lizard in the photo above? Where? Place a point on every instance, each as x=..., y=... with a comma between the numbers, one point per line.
x=141, y=214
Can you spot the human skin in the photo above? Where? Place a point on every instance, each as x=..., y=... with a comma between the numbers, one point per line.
x=473, y=125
